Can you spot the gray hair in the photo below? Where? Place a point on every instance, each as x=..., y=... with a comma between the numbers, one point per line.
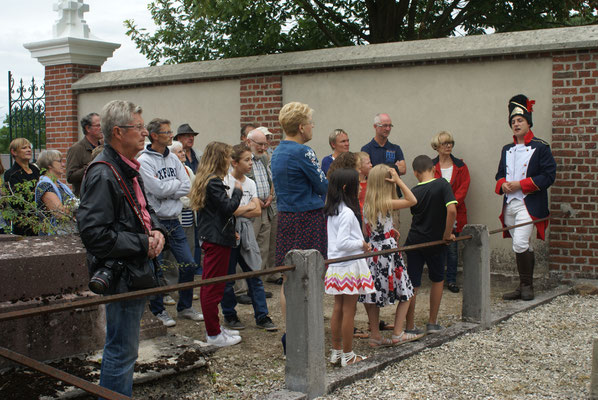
x=175, y=146
x=377, y=118
x=86, y=121
x=154, y=126
x=47, y=157
x=117, y=113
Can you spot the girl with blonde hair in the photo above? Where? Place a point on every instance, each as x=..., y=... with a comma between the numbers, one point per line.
x=216, y=230
x=388, y=271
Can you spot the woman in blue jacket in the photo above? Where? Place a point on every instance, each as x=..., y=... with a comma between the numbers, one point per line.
x=300, y=186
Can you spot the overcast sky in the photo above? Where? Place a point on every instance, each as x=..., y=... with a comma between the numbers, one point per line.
x=29, y=21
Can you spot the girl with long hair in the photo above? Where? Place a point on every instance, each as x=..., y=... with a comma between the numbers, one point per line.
x=345, y=280
x=388, y=271
x=216, y=229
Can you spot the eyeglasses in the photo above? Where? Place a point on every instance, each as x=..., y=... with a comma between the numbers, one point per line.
x=259, y=144
x=310, y=123
x=165, y=133
x=139, y=127
x=95, y=125
x=384, y=125
x=449, y=143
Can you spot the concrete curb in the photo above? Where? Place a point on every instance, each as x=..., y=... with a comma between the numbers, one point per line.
x=345, y=376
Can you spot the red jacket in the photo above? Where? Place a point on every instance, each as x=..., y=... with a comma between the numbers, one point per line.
x=460, y=185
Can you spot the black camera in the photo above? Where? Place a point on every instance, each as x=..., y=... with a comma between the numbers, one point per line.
x=105, y=275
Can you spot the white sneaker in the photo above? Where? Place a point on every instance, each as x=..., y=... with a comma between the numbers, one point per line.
x=223, y=340
x=169, y=300
x=165, y=318
x=191, y=314
x=230, y=332
x=195, y=297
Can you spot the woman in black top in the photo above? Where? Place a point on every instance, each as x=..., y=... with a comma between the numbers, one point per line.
x=15, y=180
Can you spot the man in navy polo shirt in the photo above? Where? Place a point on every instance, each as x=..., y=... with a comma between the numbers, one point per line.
x=381, y=151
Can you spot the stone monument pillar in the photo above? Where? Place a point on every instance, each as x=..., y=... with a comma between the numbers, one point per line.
x=72, y=53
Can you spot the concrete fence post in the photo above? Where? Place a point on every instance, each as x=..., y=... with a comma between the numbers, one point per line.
x=304, y=290
x=594, y=378
x=476, y=275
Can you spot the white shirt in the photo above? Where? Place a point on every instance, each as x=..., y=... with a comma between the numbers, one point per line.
x=517, y=162
x=447, y=173
x=249, y=189
x=344, y=236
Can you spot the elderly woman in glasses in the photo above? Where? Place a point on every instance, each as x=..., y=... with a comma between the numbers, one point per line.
x=54, y=199
x=455, y=171
x=339, y=143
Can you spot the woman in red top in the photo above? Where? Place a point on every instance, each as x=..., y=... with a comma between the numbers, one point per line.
x=456, y=173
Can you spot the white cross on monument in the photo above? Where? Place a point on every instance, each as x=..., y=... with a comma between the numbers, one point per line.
x=70, y=19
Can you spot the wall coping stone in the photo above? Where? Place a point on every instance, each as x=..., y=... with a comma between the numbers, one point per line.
x=498, y=44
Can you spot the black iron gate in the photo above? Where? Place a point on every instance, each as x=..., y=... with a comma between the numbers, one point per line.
x=27, y=113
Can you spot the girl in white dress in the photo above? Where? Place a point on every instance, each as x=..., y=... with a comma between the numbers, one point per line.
x=345, y=280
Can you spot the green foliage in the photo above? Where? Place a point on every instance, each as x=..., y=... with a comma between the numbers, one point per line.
x=17, y=205
x=195, y=30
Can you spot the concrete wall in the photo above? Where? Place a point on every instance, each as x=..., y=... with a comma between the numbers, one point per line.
x=469, y=100
x=211, y=108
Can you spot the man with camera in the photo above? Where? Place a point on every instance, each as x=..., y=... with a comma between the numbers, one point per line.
x=122, y=236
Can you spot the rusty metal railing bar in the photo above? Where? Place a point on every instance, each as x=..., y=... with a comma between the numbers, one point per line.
x=97, y=300
x=62, y=376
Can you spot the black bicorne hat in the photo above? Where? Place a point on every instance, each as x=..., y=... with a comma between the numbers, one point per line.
x=521, y=105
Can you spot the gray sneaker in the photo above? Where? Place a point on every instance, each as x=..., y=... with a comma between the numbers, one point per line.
x=415, y=331
x=267, y=324
x=165, y=319
x=434, y=328
x=191, y=314
x=233, y=323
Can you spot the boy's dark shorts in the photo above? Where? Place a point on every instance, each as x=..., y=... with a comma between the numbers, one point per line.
x=434, y=258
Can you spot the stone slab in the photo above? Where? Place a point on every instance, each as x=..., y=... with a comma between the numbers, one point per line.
x=497, y=44
x=35, y=267
x=171, y=354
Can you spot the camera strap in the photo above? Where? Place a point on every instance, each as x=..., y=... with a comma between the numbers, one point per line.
x=128, y=195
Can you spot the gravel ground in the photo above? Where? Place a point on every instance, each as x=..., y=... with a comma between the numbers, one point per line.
x=541, y=354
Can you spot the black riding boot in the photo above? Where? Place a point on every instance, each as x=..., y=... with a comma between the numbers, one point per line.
x=527, y=275
x=516, y=294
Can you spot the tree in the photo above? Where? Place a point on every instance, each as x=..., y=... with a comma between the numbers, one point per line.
x=27, y=123
x=195, y=30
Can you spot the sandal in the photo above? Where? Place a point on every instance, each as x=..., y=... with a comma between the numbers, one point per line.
x=358, y=333
x=383, y=342
x=335, y=356
x=405, y=337
x=351, y=358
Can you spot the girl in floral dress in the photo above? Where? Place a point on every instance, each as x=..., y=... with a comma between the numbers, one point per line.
x=388, y=271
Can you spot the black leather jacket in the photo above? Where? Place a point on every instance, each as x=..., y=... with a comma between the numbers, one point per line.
x=216, y=223
x=109, y=228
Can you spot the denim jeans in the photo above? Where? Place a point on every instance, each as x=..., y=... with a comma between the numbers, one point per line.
x=452, y=259
x=179, y=247
x=122, y=343
x=255, y=290
x=197, y=253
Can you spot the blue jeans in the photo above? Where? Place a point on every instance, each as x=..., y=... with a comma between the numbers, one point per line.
x=255, y=290
x=452, y=259
x=179, y=247
x=122, y=344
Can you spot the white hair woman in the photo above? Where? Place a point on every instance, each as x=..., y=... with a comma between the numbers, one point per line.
x=51, y=195
x=455, y=171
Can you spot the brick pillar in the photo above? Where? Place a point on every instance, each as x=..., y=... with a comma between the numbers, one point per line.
x=261, y=101
x=62, y=124
x=574, y=240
